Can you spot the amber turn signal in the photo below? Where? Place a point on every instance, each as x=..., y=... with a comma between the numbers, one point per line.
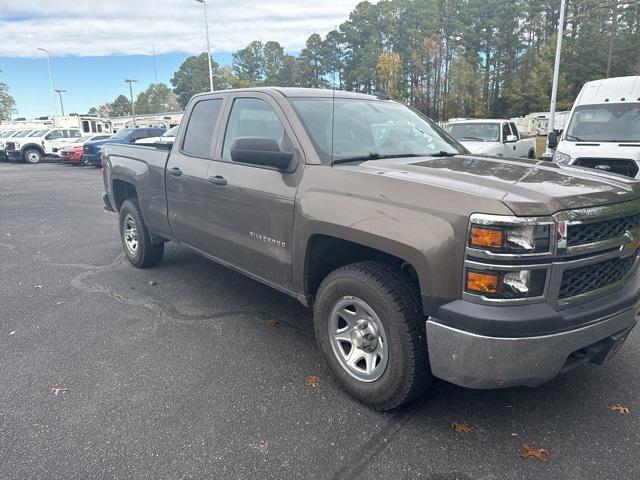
x=486, y=237
x=482, y=282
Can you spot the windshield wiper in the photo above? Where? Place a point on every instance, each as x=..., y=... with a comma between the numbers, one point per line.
x=571, y=137
x=442, y=153
x=377, y=156
x=476, y=139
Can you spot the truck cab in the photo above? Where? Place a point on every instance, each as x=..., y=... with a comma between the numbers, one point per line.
x=492, y=137
x=603, y=131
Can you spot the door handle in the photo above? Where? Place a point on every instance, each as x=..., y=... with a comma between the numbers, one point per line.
x=218, y=180
x=175, y=171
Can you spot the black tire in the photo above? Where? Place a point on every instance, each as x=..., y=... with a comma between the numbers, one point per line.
x=32, y=155
x=395, y=301
x=532, y=154
x=145, y=254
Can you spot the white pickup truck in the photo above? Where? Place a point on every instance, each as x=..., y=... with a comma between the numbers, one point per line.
x=492, y=137
x=38, y=144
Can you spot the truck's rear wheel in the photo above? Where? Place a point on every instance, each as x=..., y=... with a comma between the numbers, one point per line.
x=136, y=241
x=32, y=155
x=370, y=329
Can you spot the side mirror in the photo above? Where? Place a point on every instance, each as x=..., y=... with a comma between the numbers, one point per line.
x=553, y=140
x=261, y=151
x=511, y=139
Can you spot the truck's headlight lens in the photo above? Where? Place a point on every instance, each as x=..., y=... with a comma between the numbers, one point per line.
x=527, y=238
x=506, y=285
x=561, y=158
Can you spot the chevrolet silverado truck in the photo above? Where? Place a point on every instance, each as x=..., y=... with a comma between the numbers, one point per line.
x=419, y=259
x=492, y=137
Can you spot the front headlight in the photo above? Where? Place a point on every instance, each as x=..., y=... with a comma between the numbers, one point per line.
x=17, y=145
x=506, y=285
x=561, y=158
x=501, y=236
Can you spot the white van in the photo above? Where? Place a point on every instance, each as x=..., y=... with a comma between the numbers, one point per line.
x=603, y=131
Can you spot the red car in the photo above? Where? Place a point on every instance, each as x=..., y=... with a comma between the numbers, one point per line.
x=72, y=154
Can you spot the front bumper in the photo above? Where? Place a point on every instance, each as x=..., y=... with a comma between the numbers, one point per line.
x=478, y=361
x=91, y=159
x=14, y=155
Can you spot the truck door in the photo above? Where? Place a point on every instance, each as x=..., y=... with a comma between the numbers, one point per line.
x=522, y=147
x=189, y=193
x=252, y=207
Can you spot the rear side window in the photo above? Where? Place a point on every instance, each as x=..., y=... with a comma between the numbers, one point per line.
x=199, y=134
x=514, y=129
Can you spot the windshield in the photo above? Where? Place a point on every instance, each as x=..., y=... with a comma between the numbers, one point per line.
x=122, y=134
x=7, y=134
x=370, y=128
x=474, y=132
x=616, y=122
x=22, y=133
x=172, y=132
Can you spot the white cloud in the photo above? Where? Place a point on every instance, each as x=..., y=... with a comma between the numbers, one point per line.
x=107, y=27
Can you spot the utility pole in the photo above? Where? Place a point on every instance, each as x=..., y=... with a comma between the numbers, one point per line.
x=133, y=108
x=556, y=74
x=60, y=92
x=53, y=95
x=614, y=27
x=206, y=27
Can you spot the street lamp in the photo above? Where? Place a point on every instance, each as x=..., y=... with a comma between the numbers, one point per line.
x=206, y=26
x=53, y=95
x=133, y=108
x=60, y=92
x=556, y=75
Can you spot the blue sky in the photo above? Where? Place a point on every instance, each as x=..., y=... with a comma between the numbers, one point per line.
x=95, y=45
x=89, y=81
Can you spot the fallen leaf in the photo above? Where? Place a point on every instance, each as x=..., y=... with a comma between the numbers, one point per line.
x=618, y=408
x=313, y=381
x=263, y=444
x=541, y=454
x=12, y=332
x=37, y=286
x=57, y=391
x=272, y=323
x=461, y=427
x=152, y=283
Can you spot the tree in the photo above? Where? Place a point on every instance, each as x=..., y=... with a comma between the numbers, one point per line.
x=93, y=111
x=120, y=107
x=389, y=70
x=7, y=103
x=273, y=58
x=248, y=64
x=464, y=98
x=158, y=98
x=192, y=77
x=312, y=69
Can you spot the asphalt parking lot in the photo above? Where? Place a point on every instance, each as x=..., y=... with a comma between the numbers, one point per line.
x=190, y=370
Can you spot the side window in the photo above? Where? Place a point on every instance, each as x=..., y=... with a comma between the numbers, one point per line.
x=252, y=117
x=199, y=134
x=514, y=129
x=506, y=131
x=74, y=133
x=85, y=126
x=54, y=135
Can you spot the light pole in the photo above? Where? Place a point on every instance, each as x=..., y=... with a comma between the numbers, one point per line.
x=53, y=95
x=60, y=92
x=206, y=27
x=133, y=108
x=556, y=75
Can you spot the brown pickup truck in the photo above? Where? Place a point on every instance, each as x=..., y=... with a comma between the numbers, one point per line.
x=419, y=259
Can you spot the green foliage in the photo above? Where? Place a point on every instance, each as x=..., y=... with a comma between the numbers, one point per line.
x=193, y=77
x=158, y=98
x=120, y=107
x=7, y=103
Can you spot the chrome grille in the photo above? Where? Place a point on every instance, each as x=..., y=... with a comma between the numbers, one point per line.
x=621, y=166
x=580, y=234
x=577, y=281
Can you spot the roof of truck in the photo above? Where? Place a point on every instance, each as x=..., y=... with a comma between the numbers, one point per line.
x=479, y=120
x=614, y=90
x=292, y=92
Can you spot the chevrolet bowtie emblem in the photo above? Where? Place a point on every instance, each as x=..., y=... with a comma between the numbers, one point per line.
x=630, y=245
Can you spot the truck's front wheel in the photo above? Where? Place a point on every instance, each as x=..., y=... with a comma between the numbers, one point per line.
x=135, y=237
x=370, y=329
x=32, y=155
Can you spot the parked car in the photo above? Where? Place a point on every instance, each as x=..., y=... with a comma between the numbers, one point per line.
x=419, y=259
x=167, y=137
x=92, y=150
x=10, y=141
x=3, y=138
x=40, y=144
x=603, y=131
x=72, y=154
x=492, y=137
